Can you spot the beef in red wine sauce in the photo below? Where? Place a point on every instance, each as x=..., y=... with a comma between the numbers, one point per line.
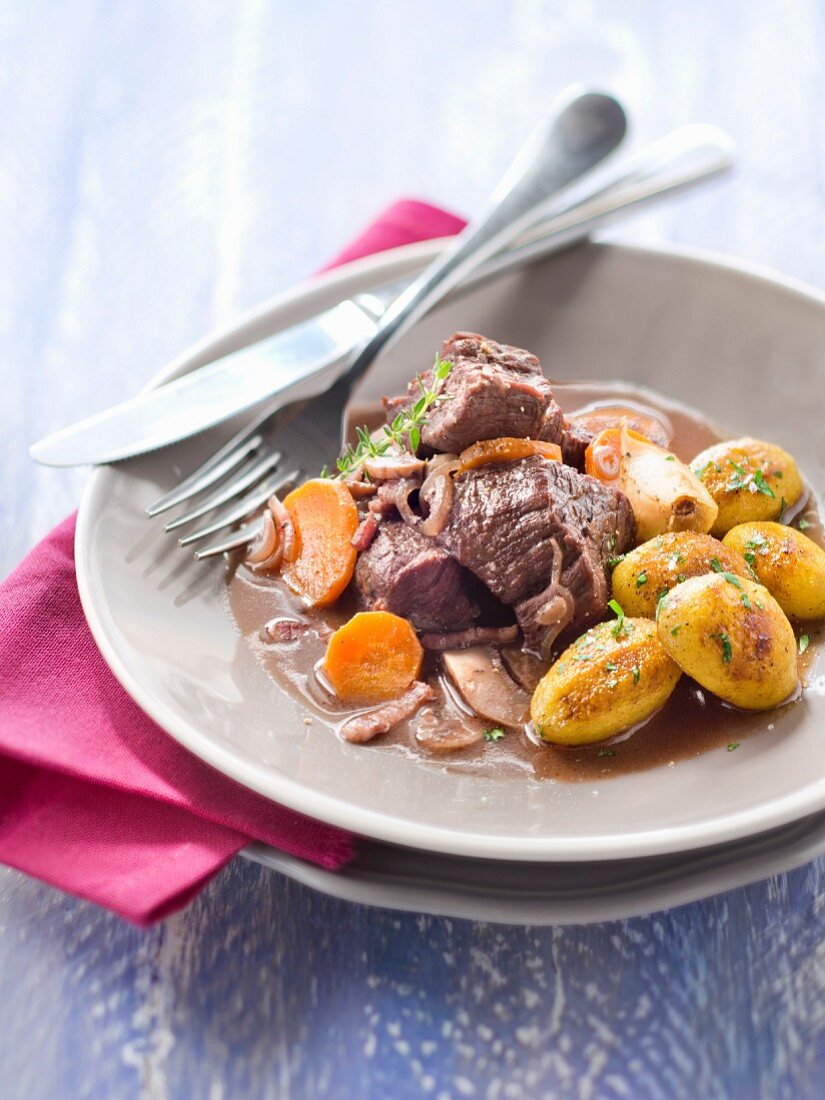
x=433, y=583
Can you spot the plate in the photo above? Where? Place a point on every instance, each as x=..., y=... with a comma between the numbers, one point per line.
x=746, y=348
x=542, y=894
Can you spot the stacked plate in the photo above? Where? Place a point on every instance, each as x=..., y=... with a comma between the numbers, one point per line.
x=745, y=348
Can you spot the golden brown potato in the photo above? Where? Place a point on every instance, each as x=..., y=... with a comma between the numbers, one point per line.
x=732, y=637
x=656, y=566
x=749, y=480
x=615, y=676
x=789, y=564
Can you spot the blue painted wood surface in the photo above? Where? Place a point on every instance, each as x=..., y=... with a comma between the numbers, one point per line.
x=165, y=165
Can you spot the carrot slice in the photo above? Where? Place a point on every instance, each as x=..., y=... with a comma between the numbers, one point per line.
x=505, y=449
x=373, y=657
x=325, y=519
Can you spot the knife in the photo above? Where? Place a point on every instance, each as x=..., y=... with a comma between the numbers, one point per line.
x=306, y=359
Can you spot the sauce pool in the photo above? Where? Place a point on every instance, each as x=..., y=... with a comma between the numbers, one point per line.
x=691, y=722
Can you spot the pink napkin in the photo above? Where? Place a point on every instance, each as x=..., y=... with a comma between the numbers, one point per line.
x=94, y=797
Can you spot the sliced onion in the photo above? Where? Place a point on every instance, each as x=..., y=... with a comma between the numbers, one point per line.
x=283, y=521
x=265, y=551
x=437, y=491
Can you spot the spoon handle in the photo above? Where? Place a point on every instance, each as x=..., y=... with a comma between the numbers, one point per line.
x=580, y=132
x=681, y=159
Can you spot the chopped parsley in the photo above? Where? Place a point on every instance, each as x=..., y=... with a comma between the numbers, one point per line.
x=763, y=487
x=733, y=746
x=727, y=649
x=804, y=642
x=757, y=542
x=613, y=684
x=731, y=578
x=676, y=629
x=613, y=562
x=670, y=458
x=606, y=752
x=620, y=626
x=641, y=579
x=637, y=672
x=681, y=577
x=660, y=602
x=804, y=524
x=495, y=734
x=610, y=667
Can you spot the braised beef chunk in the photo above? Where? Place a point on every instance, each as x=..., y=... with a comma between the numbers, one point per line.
x=492, y=390
x=574, y=442
x=408, y=574
x=539, y=535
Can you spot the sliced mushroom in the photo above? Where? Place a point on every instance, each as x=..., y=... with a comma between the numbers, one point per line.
x=441, y=734
x=485, y=685
x=525, y=668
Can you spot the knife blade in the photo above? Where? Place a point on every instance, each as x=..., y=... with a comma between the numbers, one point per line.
x=313, y=353
x=318, y=351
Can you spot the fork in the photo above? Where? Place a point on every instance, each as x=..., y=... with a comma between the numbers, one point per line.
x=245, y=472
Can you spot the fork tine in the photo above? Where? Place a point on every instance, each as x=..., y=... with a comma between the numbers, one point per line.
x=244, y=506
x=240, y=538
x=246, y=478
x=219, y=464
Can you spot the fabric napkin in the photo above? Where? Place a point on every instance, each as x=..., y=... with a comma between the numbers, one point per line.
x=94, y=797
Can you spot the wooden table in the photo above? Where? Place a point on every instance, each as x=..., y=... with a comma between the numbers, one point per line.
x=167, y=165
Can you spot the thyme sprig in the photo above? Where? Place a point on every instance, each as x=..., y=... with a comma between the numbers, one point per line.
x=404, y=432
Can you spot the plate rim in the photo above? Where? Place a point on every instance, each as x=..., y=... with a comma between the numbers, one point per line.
x=364, y=821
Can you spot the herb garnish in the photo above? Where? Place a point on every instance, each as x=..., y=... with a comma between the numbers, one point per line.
x=606, y=752
x=763, y=487
x=637, y=672
x=731, y=578
x=670, y=458
x=613, y=562
x=804, y=524
x=641, y=579
x=742, y=479
x=494, y=734
x=758, y=542
x=727, y=649
x=733, y=746
x=610, y=667
x=676, y=629
x=804, y=642
x=620, y=625
x=660, y=602
x=405, y=430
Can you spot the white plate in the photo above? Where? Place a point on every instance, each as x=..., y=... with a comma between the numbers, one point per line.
x=540, y=894
x=746, y=348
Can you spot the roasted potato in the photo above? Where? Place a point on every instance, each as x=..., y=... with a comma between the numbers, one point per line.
x=656, y=566
x=749, y=480
x=789, y=564
x=613, y=677
x=732, y=637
